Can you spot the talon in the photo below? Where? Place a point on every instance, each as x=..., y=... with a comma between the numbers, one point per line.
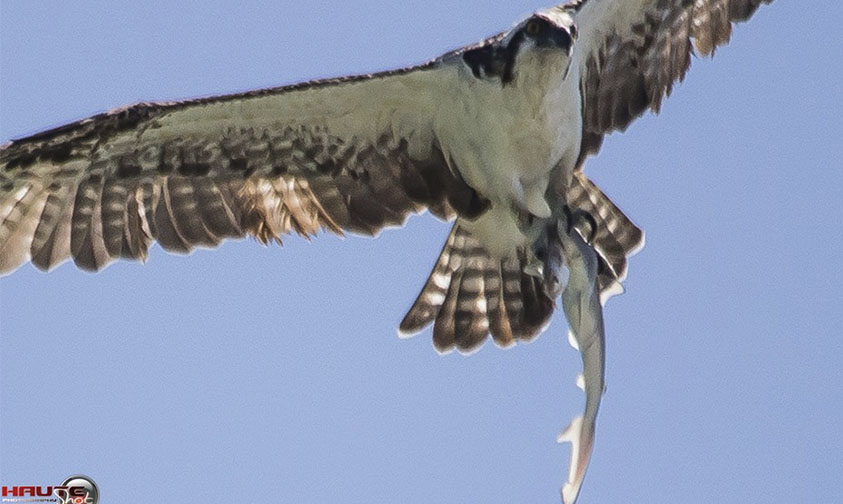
x=553, y=288
x=569, y=219
x=592, y=223
x=576, y=218
x=535, y=269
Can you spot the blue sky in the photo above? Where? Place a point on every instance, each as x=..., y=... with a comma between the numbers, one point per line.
x=275, y=375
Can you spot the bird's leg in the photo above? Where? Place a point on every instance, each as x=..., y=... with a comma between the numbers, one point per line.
x=530, y=224
x=548, y=263
x=548, y=252
x=529, y=197
x=532, y=213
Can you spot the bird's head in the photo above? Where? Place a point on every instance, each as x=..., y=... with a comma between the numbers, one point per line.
x=551, y=29
x=532, y=47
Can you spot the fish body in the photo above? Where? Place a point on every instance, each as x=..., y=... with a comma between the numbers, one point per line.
x=584, y=312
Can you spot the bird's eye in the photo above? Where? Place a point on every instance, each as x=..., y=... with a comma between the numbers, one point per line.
x=533, y=28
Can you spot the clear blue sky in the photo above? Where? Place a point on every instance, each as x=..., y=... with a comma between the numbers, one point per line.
x=275, y=375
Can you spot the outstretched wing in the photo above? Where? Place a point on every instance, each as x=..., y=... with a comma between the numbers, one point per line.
x=631, y=52
x=354, y=154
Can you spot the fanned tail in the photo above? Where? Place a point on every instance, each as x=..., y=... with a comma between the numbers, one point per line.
x=616, y=237
x=470, y=295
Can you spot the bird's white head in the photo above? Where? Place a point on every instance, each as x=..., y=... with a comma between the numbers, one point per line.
x=550, y=29
x=541, y=47
x=533, y=48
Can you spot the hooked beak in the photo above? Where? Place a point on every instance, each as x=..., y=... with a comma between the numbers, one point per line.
x=572, y=37
x=559, y=38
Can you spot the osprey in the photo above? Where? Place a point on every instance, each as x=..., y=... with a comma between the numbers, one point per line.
x=494, y=135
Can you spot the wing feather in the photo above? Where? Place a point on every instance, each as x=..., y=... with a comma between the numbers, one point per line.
x=631, y=53
x=325, y=155
x=55, y=247
x=186, y=216
x=216, y=218
x=86, y=235
x=165, y=222
x=19, y=223
x=114, y=203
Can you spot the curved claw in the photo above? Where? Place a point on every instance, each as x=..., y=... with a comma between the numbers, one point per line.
x=535, y=269
x=575, y=219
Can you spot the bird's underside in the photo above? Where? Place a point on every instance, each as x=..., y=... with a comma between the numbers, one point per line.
x=494, y=136
x=353, y=154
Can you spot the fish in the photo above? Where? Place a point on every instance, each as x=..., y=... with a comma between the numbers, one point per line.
x=576, y=274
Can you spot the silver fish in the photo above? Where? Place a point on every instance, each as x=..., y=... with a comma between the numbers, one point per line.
x=584, y=312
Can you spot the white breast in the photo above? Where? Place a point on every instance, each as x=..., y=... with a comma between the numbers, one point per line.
x=506, y=140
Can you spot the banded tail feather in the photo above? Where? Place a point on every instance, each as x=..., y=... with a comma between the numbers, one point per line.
x=470, y=295
x=616, y=237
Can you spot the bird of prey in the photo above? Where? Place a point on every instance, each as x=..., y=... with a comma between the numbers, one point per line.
x=494, y=135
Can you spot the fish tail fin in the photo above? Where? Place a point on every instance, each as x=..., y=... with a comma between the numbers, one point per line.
x=581, y=436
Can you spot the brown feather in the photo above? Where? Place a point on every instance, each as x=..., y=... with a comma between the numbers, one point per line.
x=499, y=325
x=86, y=244
x=140, y=181
x=467, y=297
x=629, y=73
x=444, y=327
x=56, y=246
x=20, y=223
x=164, y=218
x=113, y=216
